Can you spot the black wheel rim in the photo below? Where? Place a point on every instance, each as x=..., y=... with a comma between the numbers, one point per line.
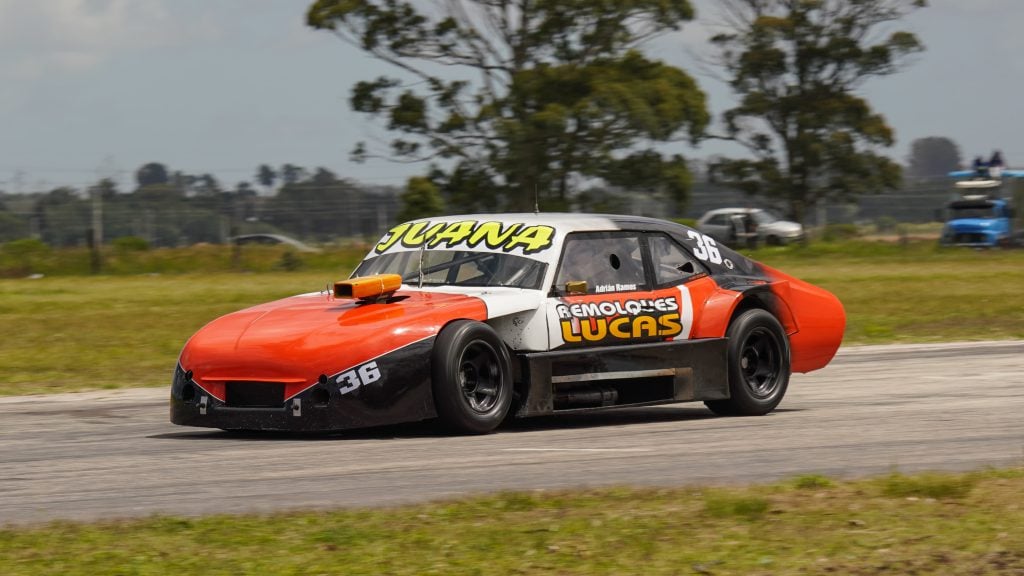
x=480, y=376
x=761, y=363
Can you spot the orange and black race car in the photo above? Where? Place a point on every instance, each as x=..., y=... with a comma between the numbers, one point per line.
x=471, y=319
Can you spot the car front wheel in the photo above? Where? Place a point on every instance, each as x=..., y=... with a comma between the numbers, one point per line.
x=759, y=365
x=471, y=373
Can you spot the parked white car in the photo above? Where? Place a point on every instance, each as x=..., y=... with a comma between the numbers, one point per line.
x=748, y=225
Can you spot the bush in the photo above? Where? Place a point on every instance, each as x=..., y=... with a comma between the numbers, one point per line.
x=886, y=225
x=289, y=262
x=25, y=247
x=840, y=232
x=130, y=244
x=929, y=485
x=812, y=481
x=22, y=257
x=12, y=227
x=723, y=505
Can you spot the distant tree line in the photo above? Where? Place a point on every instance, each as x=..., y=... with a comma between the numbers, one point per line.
x=172, y=208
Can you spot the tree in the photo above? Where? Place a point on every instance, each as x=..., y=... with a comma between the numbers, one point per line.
x=467, y=187
x=932, y=157
x=239, y=204
x=321, y=206
x=291, y=174
x=527, y=96
x=184, y=182
x=796, y=66
x=324, y=177
x=206, y=189
x=63, y=217
x=152, y=173
x=420, y=199
x=12, y=226
x=266, y=176
x=107, y=188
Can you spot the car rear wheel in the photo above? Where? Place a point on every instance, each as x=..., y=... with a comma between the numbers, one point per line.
x=471, y=373
x=758, y=365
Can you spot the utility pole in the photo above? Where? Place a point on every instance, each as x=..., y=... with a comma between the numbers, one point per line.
x=96, y=240
x=148, y=227
x=97, y=214
x=105, y=172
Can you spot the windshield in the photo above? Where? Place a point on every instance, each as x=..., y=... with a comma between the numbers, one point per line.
x=975, y=212
x=457, y=268
x=763, y=217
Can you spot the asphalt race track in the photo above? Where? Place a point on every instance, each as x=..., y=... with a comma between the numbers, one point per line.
x=874, y=409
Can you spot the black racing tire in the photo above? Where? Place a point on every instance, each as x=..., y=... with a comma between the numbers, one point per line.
x=759, y=365
x=471, y=376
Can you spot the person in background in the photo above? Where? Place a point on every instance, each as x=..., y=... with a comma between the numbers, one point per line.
x=996, y=165
x=980, y=167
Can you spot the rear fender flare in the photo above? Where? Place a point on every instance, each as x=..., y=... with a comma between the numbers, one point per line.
x=723, y=306
x=768, y=297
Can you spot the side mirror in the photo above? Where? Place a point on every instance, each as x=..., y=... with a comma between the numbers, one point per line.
x=576, y=287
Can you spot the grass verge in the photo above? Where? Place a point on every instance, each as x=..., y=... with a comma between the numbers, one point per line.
x=74, y=333
x=916, y=292
x=892, y=525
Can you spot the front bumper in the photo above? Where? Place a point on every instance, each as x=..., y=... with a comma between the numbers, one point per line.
x=971, y=239
x=321, y=408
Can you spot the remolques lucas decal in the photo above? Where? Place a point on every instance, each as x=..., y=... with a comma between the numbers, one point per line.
x=493, y=236
x=629, y=319
x=623, y=318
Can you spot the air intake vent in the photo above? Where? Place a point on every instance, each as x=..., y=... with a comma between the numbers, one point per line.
x=255, y=394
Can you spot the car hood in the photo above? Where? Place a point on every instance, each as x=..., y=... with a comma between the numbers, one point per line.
x=295, y=340
x=782, y=227
x=972, y=224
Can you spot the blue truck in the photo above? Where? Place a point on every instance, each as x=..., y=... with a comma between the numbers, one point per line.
x=980, y=217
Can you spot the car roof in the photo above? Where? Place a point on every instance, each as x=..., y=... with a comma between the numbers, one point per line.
x=276, y=237
x=566, y=222
x=410, y=236
x=733, y=210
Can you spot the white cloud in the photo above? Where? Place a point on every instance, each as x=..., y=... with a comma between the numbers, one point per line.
x=55, y=36
x=985, y=7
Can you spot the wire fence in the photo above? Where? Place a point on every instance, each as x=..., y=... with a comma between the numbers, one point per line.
x=920, y=203
x=367, y=215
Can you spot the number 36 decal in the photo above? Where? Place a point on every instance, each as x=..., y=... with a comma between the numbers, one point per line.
x=352, y=379
x=707, y=248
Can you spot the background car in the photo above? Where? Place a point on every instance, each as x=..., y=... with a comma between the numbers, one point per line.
x=272, y=239
x=737, y=226
x=474, y=318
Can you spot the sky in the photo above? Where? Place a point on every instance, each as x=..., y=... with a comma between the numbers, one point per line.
x=96, y=88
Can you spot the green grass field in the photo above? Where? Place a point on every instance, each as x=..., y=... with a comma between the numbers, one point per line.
x=915, y=293
x=75, y=332
x=925, y=524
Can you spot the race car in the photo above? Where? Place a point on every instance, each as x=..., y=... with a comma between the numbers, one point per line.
x=474, y=319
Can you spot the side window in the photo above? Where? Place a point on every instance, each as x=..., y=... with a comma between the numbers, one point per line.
x=719, y=219
x=672, y=264
x=607, y=263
